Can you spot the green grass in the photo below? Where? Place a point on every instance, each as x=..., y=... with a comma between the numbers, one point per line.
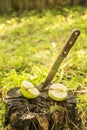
x=29, y=45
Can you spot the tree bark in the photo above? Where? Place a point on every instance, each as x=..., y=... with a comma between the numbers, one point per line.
x=40, y=113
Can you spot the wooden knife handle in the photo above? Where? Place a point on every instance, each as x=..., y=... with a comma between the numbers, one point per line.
x=70, y=42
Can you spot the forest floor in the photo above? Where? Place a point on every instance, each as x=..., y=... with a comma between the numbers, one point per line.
x=29, y=45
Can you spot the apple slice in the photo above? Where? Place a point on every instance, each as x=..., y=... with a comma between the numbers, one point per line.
x=57, y=92
x=28, y=90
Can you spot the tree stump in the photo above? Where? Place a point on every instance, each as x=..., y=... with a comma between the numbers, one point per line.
x=41, y=113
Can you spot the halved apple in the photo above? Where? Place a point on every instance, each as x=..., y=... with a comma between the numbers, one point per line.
x=28, y=90
x=57, y=92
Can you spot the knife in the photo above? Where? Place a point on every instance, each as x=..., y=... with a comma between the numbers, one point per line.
x=68, y=45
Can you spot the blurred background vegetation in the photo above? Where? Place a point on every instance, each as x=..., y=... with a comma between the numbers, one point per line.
x=21, y=5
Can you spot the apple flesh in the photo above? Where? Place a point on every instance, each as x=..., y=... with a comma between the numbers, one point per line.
x=28, y=90
x=57, y=92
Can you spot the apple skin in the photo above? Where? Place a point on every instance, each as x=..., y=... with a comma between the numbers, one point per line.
x=29, y=92
x=57, y=92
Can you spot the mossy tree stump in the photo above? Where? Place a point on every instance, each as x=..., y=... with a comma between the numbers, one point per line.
x=41, y=113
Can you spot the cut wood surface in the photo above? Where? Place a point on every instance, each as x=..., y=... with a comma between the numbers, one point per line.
x=41, y=113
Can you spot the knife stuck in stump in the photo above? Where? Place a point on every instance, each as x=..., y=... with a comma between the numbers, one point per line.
x=68, y=44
